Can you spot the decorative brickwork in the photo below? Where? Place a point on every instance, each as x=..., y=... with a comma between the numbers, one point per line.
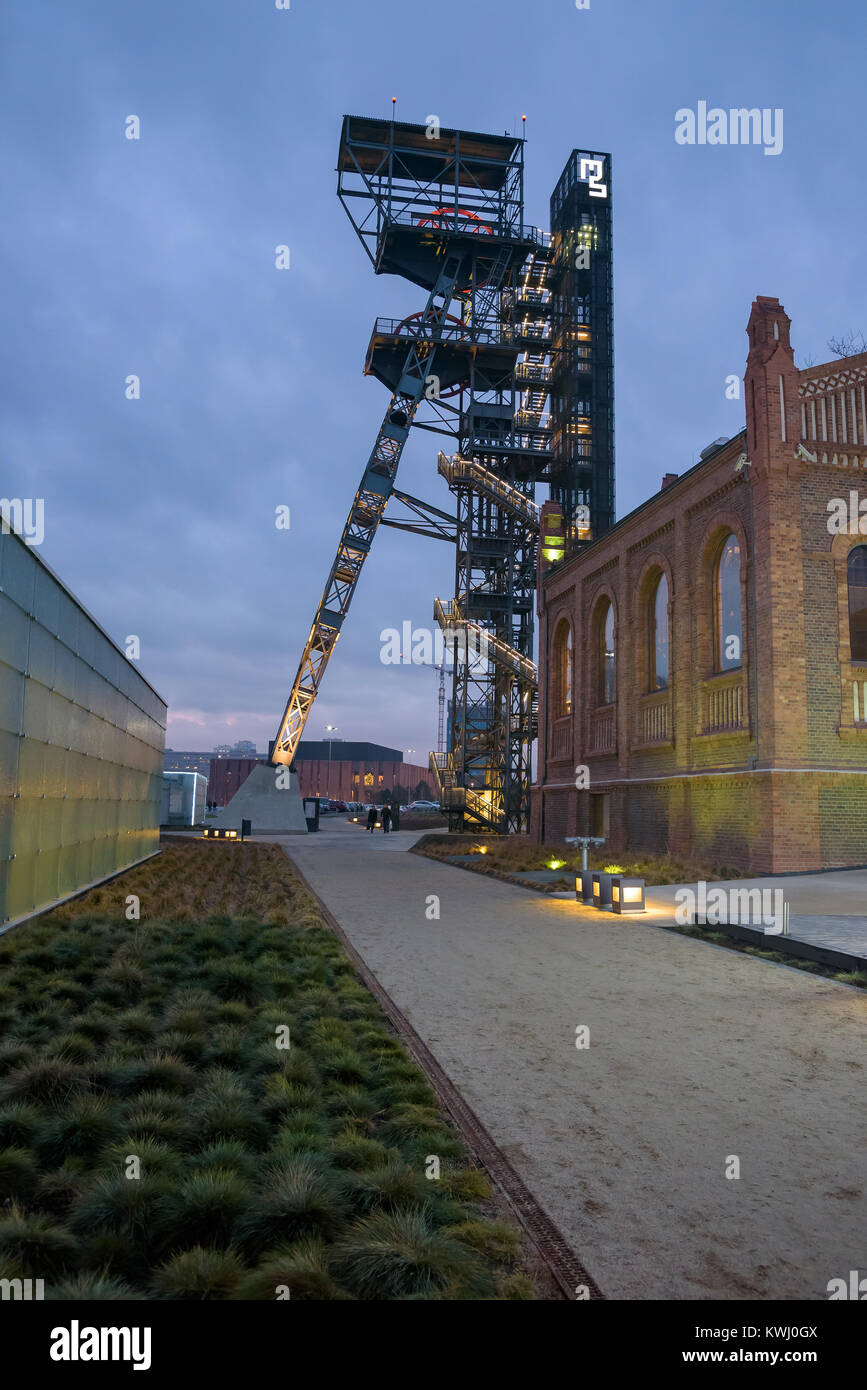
x=758, y=762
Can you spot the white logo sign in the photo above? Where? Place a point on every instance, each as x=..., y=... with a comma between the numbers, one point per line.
x=592, y=170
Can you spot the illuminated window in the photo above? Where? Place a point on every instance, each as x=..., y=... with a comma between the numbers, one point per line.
x=856, y=574
x=728, y=623
x=563, y=670
x=606, y=686
x=368, y=779
x=658, y=643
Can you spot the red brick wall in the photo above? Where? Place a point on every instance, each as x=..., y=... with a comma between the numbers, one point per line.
x=314, y=779
x=227, y=774
x=786, y=789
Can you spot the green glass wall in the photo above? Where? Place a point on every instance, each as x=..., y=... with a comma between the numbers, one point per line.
x=82, y=735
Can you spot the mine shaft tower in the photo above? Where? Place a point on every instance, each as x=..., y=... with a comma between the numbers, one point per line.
x=502, y=360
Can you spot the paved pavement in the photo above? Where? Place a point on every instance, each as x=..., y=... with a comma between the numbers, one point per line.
x=825, y=909
x=698, y=1056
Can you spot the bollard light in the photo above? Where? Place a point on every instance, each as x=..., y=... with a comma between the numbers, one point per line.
x=601, y=888
x=584, y=887
x=627, y=894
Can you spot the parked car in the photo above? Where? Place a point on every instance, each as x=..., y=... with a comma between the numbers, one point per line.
x=423, y=806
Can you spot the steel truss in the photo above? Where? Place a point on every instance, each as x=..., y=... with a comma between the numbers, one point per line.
x=444, y=209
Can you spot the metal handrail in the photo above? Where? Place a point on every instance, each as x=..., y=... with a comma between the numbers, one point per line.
x=453, y=467
x=449, y=613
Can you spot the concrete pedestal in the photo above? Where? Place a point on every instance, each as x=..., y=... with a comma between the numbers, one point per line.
x=271, y=809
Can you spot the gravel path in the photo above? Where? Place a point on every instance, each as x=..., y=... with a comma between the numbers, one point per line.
x=696, y=1053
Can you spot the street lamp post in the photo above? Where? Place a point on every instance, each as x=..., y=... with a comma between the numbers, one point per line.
x=330, y=729
x=409, y=790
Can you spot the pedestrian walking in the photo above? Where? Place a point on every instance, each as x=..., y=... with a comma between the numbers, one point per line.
x=371, y=819
x=386, y=819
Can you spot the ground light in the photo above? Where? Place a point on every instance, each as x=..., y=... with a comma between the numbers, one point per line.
x=584, y=887
x=601, y=888
x=556, y=863
x=627, y=894
x=212, y=832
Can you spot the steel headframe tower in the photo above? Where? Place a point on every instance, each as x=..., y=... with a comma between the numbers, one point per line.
x=444, y=209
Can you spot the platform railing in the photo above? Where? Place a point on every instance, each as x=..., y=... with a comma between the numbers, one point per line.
x=455, y=469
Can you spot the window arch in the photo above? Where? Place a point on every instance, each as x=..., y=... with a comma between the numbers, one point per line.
x=606, y=688
x=658, y=636
x=856, y=582
x=728, y=616
x=563, y=669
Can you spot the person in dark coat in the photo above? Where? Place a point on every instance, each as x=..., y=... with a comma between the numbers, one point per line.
x=371, y=819
x=386, y=819
x=395, y=815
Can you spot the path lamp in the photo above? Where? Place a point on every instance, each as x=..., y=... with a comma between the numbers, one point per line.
x=330, y=729
x=601, y=888
x=627, y=894
x=584, y=880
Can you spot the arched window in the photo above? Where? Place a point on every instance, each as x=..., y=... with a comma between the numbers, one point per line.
x=856, y=574
x=606, y=655
x=727, y=606
x=658, y=635
x=563, y=670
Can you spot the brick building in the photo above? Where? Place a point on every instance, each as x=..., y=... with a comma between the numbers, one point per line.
x=704, y=663
x=226, y=774
x=358, y=772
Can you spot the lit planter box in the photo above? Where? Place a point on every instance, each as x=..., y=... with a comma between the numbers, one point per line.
x=627, y=894
x=584, y=887
x=601, y=888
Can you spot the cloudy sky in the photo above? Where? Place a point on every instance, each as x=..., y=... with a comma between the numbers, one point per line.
x=155, y=257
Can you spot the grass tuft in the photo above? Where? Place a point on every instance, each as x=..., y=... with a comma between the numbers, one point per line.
x=199, y=1274
x=401, y=1255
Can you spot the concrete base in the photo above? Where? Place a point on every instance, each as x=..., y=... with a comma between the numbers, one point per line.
x=272, y=810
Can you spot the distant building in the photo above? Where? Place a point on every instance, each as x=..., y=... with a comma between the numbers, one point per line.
x=243, y=749
x=186, y=762
x=358, y=771
x=226, y=774
x=183, y=798
x=223, y=750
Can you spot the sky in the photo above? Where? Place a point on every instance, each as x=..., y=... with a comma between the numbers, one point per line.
x=155, y=257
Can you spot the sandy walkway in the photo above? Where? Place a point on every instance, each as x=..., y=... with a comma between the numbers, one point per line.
x=696, y=1053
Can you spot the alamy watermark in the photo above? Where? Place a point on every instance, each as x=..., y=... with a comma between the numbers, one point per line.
x=847, y=518
x=25, y=1290
x=754, y=907
x=737, y=126
x=422, y=646
x=25, y=517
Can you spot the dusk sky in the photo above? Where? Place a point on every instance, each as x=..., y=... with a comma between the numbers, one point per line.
x=156, y=257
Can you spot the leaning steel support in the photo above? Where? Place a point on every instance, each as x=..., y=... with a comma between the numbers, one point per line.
x=366, y=511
